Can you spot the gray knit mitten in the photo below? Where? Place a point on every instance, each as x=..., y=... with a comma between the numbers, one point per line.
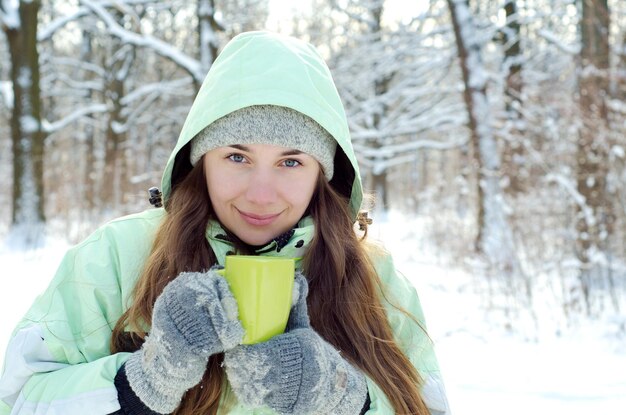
x=297, y=372
x=194, y=318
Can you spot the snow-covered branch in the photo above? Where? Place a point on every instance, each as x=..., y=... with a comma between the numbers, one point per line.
x=49, y=30
x=133, y=115
x=395, y=149
x=570, y=188
x=357, y=17
x=162, y=87
x=79, y=85
x=148, y=94
x=573, y=50
x=79, y=64
x=58, y=23
x=192, y=66
x=81, y=112
x=417, y=125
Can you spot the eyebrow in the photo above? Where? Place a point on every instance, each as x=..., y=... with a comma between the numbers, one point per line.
x=241, y=147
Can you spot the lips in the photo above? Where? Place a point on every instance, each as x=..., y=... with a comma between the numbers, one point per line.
x=258, y=220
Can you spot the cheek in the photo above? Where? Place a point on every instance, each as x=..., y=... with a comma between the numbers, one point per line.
x=301, y=191
x=218, y=191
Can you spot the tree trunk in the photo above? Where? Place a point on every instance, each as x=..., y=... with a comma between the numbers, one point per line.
x=114, y=163
x=26, y=132
x=118, y=65
x=621, y=72
x=207, y=28
x=494, y=238
x=513, y=154
x=90, y=161
x=512, y=53
x=595, y=218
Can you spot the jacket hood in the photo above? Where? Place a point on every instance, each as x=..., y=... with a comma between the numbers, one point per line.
x=263, y=68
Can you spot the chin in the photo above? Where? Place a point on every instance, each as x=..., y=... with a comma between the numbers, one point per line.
x=256, y=240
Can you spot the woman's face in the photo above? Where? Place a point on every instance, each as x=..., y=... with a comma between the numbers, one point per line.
x=259, y=191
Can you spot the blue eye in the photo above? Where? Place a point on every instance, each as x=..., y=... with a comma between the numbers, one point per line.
x=237, y=158
x=291, y=163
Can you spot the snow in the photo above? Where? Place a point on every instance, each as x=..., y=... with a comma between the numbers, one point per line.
x=29, y=124
x=28, y=228
x=25, y=274
x=9, y=14
x=6, y=92
x=487, y=371
x=618, y=151
x=24, y=77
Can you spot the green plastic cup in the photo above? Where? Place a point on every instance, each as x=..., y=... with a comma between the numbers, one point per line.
x=262, y=287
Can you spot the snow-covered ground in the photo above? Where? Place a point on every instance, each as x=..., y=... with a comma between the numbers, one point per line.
x=487, y=371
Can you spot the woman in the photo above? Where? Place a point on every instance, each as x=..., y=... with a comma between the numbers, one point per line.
x=136, y=321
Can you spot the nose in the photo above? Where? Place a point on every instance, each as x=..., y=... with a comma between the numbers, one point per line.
x=262, y=188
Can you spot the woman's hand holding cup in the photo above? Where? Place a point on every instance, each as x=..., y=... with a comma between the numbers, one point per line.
x=194, y=318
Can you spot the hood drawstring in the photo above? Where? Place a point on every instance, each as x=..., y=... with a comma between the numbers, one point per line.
x=156, y=197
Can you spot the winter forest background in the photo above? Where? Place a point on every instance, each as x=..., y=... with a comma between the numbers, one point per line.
x=497, y=127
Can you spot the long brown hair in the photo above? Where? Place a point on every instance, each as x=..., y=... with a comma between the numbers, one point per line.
x=344, y=295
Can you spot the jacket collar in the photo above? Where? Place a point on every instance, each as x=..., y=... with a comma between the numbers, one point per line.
x=292, y=244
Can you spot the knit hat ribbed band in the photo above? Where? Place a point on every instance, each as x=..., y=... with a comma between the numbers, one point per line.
x=268, y=124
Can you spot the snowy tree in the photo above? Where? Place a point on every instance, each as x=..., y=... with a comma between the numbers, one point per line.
x=180, y=37
x=494, y=237
x=19, y=22
x=620, y=78
x=104, y=83
x=117, y=63
x=595, y=215
x=513, y=153
x=373, y=40
x=188, y=63
x=208, y=26
x=394, y=81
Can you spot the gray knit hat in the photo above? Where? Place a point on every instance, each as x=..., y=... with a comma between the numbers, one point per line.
x=268, y=124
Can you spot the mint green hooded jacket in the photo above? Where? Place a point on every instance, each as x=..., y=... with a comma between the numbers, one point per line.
x=58, y=359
